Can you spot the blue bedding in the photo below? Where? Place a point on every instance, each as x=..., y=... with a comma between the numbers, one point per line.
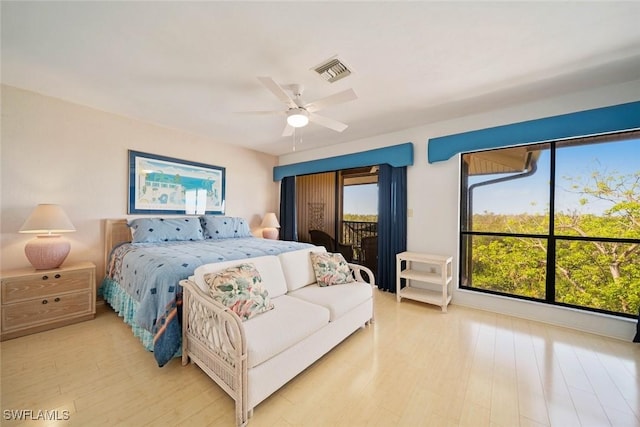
x=149, y=274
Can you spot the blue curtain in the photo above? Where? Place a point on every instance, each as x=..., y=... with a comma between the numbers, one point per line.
x=392, y=222
x=288, y=226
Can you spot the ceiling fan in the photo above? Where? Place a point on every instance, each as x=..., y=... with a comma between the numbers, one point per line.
x=299, y=113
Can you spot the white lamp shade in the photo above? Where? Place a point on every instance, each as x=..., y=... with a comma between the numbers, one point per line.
x=47, y=219
x=270, y=226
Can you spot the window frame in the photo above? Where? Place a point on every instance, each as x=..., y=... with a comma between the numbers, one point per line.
x=551, y=237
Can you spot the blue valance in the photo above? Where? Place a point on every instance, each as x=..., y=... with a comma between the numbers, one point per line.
x=396, y=155
x=583, y=123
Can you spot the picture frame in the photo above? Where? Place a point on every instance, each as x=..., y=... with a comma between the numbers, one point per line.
x=165, y=185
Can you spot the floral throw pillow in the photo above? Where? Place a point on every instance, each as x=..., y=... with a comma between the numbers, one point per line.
x=240, y=289
x=330, y=269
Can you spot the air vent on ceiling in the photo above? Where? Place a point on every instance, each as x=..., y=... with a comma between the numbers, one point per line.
x=332, y=70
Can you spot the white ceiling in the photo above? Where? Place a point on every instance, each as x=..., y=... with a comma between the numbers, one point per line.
x=193, y=65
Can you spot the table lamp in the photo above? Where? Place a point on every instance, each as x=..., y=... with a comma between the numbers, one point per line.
x=270, y=226
x=49, y=249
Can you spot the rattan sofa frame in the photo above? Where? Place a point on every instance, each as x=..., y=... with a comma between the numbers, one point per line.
x=213, y=338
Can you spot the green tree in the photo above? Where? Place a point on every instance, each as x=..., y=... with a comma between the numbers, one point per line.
x=360, y=217
x=597, y=273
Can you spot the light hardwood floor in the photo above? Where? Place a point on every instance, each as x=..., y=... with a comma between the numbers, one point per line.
x=415, y=366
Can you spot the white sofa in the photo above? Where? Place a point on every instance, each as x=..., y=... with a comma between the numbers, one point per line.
x=250, y=360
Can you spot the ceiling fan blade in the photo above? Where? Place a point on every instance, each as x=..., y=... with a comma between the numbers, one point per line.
x=288, y=130
x=327, y=122
x=336, y=98
x=275, y=88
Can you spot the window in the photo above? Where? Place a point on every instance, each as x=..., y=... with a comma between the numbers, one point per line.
x=557, y=222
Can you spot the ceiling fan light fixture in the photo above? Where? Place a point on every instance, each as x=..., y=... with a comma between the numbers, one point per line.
x=298, y=118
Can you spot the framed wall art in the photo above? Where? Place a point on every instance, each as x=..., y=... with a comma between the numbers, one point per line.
x=164, y=185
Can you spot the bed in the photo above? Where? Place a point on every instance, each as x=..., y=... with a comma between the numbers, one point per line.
x=145, y=260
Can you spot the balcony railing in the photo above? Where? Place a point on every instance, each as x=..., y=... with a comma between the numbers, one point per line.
x=354, y=231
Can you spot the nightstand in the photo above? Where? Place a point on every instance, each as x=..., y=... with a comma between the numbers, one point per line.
x=37, y=300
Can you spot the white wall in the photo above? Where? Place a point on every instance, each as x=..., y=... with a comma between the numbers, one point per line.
x=433, y=196
x=57, y=152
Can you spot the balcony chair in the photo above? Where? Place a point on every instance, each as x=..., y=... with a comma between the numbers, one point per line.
x=320, y=238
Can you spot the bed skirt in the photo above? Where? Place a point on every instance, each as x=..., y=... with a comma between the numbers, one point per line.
x=126, y=308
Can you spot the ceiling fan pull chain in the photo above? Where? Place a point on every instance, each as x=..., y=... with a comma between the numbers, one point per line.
x=297, y=137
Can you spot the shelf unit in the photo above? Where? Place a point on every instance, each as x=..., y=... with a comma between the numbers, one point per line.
x=436, y=270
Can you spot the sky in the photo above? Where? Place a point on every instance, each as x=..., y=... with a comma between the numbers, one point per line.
x=531, y=194
x=361, y=199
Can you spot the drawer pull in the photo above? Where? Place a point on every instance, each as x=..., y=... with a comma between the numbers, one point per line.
x=45, y=277
x=57, y=299
x=44, y=301
x=57, y=276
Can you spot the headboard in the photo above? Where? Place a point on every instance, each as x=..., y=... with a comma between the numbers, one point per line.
x=116, y=231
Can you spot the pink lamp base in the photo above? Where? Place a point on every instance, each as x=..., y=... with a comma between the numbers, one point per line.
x=270, y=233
x=47, y=251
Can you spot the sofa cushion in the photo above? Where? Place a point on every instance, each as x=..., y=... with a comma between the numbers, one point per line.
x=240, y=289
x=292, y=320
x=268, y=266
x=297, y=268
x=330, y=269
x=339, y=299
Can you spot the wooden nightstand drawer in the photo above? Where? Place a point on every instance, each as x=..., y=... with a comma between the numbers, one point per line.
x=37, y=300
x=46, y=310
x=48, y=283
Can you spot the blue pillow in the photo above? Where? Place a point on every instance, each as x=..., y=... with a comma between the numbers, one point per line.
x=154, y=230
x=224, y=227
